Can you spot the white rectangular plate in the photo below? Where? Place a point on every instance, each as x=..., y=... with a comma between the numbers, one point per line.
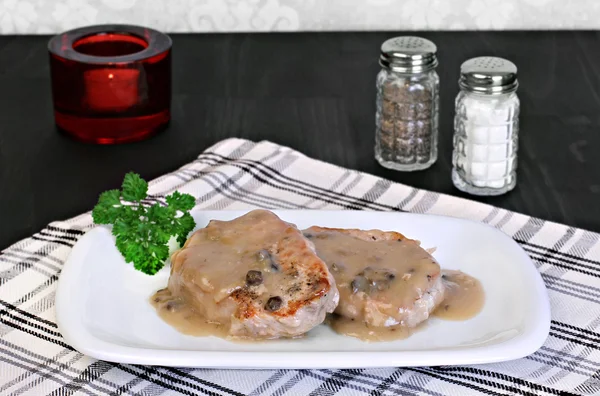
x=103, y=309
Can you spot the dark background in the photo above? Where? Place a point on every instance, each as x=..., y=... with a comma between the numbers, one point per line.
x=314, y=93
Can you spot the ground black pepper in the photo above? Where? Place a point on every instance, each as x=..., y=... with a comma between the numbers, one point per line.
x=407, y=104
x=405, y=128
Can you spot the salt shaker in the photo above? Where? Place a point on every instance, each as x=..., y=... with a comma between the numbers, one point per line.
x=486, y=126
x=407, y=104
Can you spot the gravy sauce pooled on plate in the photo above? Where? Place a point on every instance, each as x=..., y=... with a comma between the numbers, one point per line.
x=183, y=317
x=463, y=299
x=389, y=286
x=364, y=332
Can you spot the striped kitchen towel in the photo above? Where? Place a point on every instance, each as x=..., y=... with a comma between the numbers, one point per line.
x=238, y=174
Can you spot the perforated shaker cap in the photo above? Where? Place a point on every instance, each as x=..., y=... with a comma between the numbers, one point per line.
x=488, y=75
x=408, y=54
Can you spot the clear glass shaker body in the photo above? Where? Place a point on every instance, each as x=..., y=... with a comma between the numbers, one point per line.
x=486, y=129
x=407, y=119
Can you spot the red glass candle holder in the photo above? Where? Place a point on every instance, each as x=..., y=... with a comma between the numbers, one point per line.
x=111, y=83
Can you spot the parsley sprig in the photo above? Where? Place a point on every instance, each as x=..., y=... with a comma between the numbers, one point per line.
x=143, y=232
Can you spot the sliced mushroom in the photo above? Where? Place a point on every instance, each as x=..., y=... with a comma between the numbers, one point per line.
x=254, y=278
x=372, y=279
x=360, y=283
x=273, y=303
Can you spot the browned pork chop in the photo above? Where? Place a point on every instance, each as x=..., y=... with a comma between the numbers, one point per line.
x=384, y=278
x=254, y=277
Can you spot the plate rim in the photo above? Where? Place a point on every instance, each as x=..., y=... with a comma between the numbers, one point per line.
x=76, y=334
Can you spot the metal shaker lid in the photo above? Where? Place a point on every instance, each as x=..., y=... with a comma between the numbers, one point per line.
x=408, y=54
x=488, y=75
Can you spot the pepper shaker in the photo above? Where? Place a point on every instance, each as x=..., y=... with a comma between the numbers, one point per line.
x=407, y=104
x=486, y=126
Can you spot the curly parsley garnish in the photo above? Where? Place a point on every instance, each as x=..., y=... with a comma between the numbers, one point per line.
x=143, y=232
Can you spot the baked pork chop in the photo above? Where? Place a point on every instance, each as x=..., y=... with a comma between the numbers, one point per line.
x=384, y=278
x=254, y=277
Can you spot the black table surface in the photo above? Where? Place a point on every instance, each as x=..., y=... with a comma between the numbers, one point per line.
x=314, y=92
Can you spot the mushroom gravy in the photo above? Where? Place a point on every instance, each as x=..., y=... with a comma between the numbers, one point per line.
x=389, y=286
x=384, y=279
x=463, y=299
x=254, y=277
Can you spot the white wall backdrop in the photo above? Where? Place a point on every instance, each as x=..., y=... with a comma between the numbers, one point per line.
x=54, y=16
